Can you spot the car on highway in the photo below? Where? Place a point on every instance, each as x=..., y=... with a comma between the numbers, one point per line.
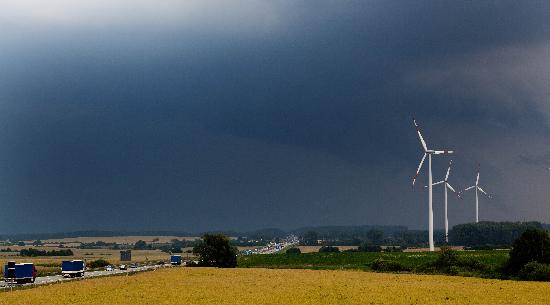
x=133, y=266
x=109, y=268
x=122, y=267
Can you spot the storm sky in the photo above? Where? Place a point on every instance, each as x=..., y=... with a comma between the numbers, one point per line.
x=199, y=115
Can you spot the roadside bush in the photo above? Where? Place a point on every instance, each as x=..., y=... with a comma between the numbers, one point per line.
x=293, y=251
x=473, y=264
x=327, y=249
x=98, y=263
x=446, y=259
x=534, y=271
x=449, y=262
x=382, y=265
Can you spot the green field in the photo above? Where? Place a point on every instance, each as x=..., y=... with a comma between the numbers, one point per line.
x=417, y=262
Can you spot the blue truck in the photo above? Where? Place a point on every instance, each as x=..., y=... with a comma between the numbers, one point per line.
x=175, y=259
x=19, y=273
x=74, y=268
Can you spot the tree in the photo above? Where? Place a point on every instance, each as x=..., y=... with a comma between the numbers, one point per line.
x=489, y=233
x=215, y=250
x=140, y=245
x=310, y=238
x=175, y=250
x=532, y=245
x=293, y=251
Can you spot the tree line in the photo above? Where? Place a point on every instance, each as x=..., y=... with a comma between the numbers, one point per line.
x=35, y=252
x=485, y=234
x=489, y=233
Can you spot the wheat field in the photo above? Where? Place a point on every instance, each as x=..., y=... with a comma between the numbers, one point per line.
x=276, y=286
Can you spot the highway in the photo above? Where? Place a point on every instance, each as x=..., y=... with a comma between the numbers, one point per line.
x=89, y=274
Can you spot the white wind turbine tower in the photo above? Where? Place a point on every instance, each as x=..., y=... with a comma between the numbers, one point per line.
x=478, y=189
x=446, y=185
x=429, y=153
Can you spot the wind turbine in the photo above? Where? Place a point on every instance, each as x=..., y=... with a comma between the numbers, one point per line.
x=446, y=185
x=429, y=153
x=478, y=189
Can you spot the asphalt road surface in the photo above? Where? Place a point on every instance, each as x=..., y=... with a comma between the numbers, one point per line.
x=89, y=274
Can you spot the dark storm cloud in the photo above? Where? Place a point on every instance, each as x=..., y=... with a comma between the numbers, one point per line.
x=199, y=115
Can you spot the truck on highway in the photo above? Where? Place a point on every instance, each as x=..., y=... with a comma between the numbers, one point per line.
x=175, y=259
x=20, y=273
x=73, y=268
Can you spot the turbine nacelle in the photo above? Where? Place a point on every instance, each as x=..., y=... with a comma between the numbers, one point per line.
x=446, y=181
x=448, y=186
x=426, y=151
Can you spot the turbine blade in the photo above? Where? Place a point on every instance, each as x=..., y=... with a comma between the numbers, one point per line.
x=477, y=179
x=481, y=190
x=450, y=187
x=442, y=152
x=453, y=190
x=433, y=184
x=419, y=167
x=448, y=170
x=466, y=189
x=420, y=136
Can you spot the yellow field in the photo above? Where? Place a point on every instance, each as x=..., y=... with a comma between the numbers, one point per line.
x=265, y=286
